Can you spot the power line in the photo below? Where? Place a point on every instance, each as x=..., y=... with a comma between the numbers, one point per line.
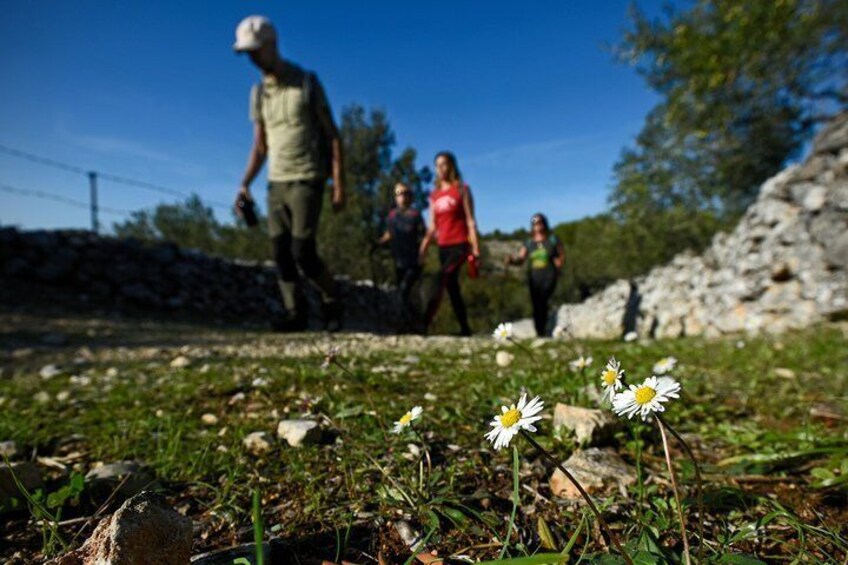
x=59, y=198
x=46, y=161
x=41, y=160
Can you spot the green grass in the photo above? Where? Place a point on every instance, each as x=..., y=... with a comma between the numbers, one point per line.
x=747, y=421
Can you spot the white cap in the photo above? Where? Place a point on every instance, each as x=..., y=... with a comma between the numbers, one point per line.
x=253, y=32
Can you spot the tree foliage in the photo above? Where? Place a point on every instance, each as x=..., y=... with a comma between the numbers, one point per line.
x=744, y=83
x=193, y=225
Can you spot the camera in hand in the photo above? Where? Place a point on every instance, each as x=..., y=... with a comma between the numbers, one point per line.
x=248, y=210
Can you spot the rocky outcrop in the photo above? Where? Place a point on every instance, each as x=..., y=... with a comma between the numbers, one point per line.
x=784, y=266
x=125, y=274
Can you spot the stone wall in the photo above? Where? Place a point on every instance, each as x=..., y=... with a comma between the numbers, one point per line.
x=160, y=278
x=784, y=266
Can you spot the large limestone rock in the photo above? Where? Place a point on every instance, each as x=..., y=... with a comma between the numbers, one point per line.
x=784, y=266
x=599, y=471
x=144, y=530
x=590, y=427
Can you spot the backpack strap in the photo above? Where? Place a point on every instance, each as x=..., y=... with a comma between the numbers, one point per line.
x=308, y=87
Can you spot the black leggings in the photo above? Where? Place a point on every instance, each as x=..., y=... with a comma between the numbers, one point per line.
x=542, y=285
x=451, y=258
x=406, y=279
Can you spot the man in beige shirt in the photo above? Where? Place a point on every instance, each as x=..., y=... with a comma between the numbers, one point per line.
x=293, y=128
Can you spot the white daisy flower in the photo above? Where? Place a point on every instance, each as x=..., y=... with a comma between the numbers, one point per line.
x=514, y=418
x=406, y=420
x=664, y=365
x=503, y=331
x=611, y=378
x=580, y=363
x=646, y=398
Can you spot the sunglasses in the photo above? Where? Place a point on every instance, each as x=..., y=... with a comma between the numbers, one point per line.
x=535, y=220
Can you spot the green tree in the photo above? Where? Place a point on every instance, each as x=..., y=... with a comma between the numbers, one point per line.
x=744, y=83
x=193, y=225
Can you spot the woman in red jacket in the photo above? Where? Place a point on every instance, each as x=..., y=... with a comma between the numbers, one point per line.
x=452, y=223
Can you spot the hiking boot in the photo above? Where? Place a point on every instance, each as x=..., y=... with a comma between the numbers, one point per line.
x=332, y=313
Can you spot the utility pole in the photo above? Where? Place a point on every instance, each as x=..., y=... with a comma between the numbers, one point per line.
x=92, y=185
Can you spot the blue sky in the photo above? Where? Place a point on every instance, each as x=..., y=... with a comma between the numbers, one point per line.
x=525, y=94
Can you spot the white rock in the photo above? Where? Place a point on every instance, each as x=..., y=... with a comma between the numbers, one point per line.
x=180, y=362
x=299, y=432
x=504, y=358
x=597, y=470
x=411, y=537
x=815, y=198
x=591, y=427
x=258, y=443
x=784, y=373
x=209, y=419
x=49, y=371
x=82, y=381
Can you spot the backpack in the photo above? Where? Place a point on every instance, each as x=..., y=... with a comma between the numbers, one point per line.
x=321, y=143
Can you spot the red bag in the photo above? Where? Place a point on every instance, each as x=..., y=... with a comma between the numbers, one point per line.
x=473, y=266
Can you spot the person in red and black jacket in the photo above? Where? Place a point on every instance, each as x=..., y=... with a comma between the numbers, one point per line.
x=404, y=230
x=453, y=225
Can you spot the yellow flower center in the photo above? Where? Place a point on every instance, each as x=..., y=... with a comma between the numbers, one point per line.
x=405, y=419
x=645, y=394
x=510, y=417
x=609, y=377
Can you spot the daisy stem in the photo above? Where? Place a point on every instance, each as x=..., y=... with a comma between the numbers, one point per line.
x=515, y=501
x=698, y=479
x=583, y=493
x=640, y=472
x=426, y=449
x=523, y=347
x=344, y=369
x=668, y=463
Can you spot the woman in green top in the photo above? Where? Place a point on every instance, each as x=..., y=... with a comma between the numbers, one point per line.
x=545, y=256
